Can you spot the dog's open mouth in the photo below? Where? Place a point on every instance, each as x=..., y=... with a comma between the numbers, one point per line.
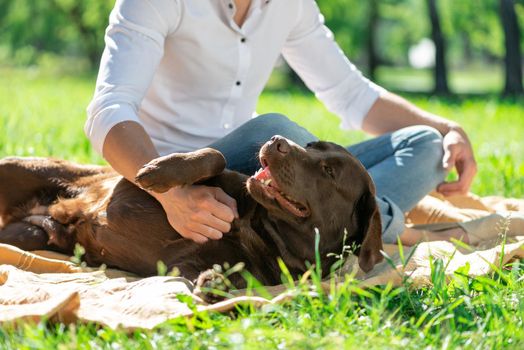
x=272, y=190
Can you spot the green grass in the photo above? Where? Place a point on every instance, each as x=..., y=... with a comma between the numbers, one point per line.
x=43, y=115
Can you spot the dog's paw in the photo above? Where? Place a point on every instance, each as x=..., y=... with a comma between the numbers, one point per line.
x=179, y=169
x=212, y=286
x=153, y=177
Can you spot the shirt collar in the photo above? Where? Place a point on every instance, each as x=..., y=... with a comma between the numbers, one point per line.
x=255, y=8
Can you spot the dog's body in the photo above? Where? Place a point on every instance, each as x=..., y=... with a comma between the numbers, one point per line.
x=51, y=204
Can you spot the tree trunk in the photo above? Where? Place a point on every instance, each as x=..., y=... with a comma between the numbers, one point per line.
x=513, y=59
x=372, y=30
x=440, y=72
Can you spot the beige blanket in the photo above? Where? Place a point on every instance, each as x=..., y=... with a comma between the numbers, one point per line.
x=45, y=285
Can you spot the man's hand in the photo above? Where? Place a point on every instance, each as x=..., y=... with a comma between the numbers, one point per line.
x=391, y=112
x=458, y=154
x=199, y=212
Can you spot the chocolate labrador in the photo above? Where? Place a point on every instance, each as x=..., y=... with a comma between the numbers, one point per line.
x=54, y=204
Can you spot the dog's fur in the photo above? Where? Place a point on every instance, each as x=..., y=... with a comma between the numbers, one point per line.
x=53, y=204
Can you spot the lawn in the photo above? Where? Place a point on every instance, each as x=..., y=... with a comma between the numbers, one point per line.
x=43, y=114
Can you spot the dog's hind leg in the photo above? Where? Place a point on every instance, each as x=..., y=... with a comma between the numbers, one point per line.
x=39, y=232
x=24, y=236
x=59, y=236
x=24, y=179
x=19, y=183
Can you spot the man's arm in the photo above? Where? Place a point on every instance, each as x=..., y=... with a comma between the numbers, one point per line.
x=196, y=212
x=127, y=147
x=391, y=112
x=362, y=104
x=134, y=46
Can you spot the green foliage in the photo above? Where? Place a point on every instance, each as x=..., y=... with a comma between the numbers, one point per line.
x=473, y=36
x=29, y=28
x=472, y=28
x=403, y=24
x=348, y=20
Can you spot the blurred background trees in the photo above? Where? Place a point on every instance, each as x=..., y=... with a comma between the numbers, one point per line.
x=33, y=30
x=472, y=41
x=439, y=46
x=512, y=41
x=437, y=36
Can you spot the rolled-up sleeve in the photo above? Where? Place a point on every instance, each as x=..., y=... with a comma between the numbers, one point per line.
x=313, y=54
x=134, y=45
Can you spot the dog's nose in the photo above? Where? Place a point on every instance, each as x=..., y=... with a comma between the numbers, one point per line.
x=281, y=144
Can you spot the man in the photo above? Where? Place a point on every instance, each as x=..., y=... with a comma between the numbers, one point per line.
x=178, y=75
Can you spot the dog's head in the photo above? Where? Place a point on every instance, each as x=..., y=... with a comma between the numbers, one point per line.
x=321, y=186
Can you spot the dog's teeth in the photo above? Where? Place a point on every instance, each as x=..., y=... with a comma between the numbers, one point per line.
x=268, y=182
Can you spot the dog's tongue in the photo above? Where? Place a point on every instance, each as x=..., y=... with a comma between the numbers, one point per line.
x=263, y=174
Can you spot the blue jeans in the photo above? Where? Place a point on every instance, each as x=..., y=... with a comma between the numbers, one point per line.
x=405, y=165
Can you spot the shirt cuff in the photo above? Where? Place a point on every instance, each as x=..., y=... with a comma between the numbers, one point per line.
x=355, y=112
x=97, y=126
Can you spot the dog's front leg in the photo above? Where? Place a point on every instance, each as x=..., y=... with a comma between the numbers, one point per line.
x=212, y=286
x=177, y=169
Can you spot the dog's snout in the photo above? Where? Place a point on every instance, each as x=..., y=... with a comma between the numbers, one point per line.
x=280, y=144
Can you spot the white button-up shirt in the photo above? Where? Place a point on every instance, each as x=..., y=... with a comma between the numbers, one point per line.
x=189, y=74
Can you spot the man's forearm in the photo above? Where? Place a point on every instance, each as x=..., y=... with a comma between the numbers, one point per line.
x=127, y=147
x=196, y=212
x=391, y=112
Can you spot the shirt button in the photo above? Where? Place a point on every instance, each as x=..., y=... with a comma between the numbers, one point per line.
x=238, y=83
x=226, y=125
x=243, y=40
x=230, y=6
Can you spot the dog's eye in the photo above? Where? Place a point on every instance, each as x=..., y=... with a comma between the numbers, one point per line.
x=329, y=170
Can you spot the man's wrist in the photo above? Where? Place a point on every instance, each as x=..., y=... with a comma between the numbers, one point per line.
x=455, y=127
x=160, y=196
x=458, y=128
x=447, y=126
x=441, y=124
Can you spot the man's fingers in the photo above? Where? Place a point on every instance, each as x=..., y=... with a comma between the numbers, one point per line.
x=219, y=210
x=467, y=170
x=212, y=221
x=461, y=186
x=229, y=201
x=451, y=188
x=207, y=216
x=448, y=161
x=194, y=236
x=204, y=230
x=222, y=206
x=467, y=173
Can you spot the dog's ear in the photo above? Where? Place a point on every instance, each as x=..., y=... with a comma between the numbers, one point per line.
x=370, y=233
